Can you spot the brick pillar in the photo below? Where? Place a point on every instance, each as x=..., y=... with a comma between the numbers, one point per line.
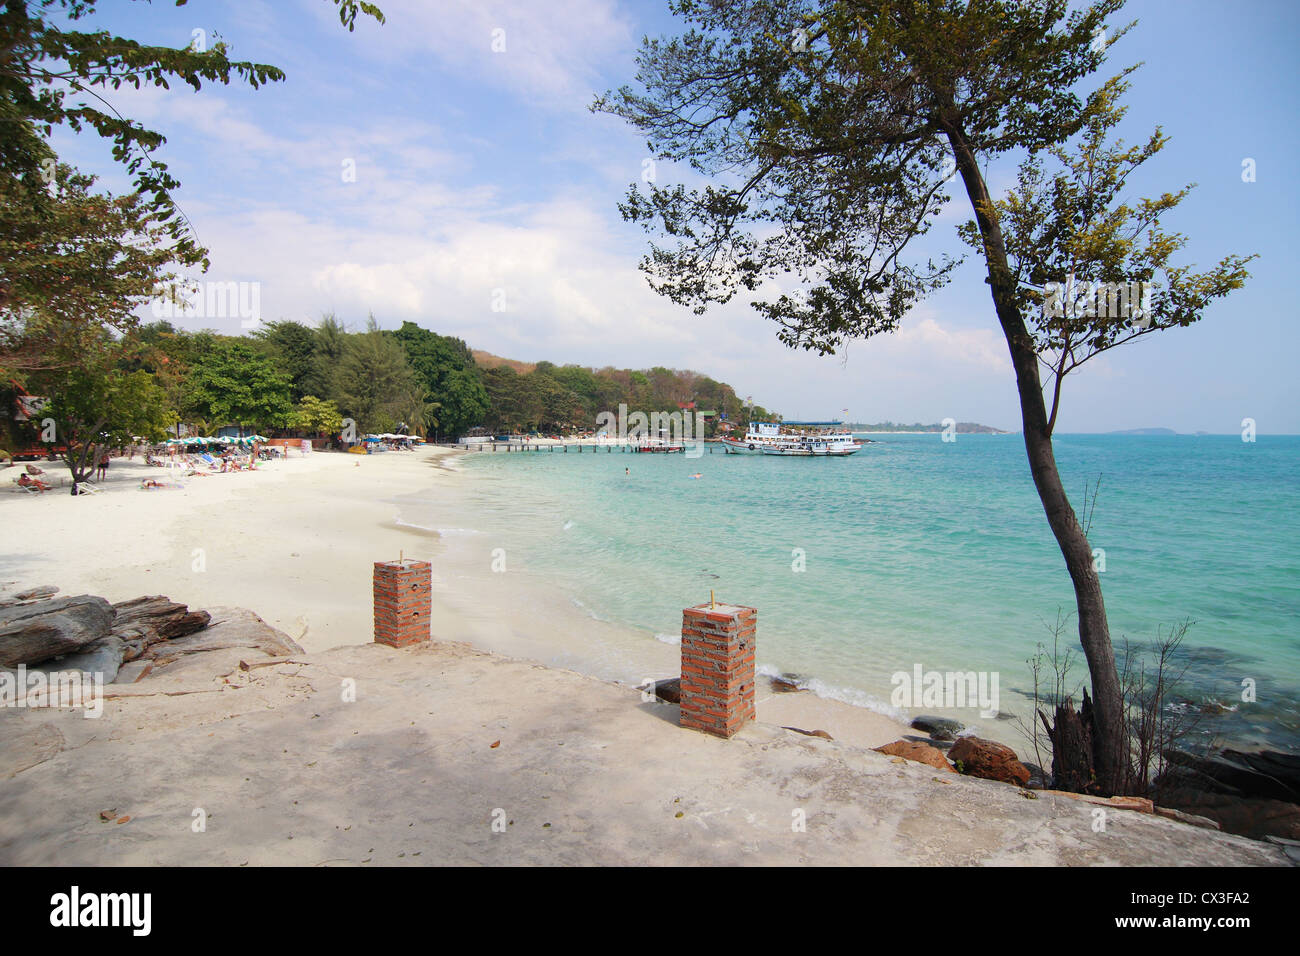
x=717, y=694
x=402, y=602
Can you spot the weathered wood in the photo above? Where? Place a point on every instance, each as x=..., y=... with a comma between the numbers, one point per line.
x=30, y=633
x=1073, y=765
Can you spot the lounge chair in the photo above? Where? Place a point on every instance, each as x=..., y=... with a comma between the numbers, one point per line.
x=31, y=485
x=86, y=487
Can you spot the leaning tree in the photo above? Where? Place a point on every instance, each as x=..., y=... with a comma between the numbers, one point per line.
x=827, y=130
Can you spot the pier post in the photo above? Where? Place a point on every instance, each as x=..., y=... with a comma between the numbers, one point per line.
x=717, y=689
x=403, y=602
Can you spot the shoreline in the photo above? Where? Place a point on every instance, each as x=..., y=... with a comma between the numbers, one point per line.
x=294, y=542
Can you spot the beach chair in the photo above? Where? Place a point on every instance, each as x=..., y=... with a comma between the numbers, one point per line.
x=33, y=486
x=88, y=488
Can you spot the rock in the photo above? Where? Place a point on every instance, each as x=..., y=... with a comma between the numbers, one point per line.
x=133, y=671
x=1253, y=817
x=784, y=685
x=103, y=657
x=919, y=752
x=31, y=633
x=1039, y=779
x=669, y=690
x=1290, y=847
x=977, y=757
x=230, y=627
x=1139, y=804
x=12, y=593
x=26, y=747
x=1267, y=774
x=940, y=728
x=929, y=742
x=1189, y=818
x=155, y=613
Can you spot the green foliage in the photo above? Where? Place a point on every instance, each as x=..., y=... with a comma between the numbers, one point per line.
x=316, y=417
x=234, y=383
x=825, y=126
x=97, y=403
x=570, y=397
x=373, y=380
x=53, y=76
x=446, y=369
x=292, y=346
x=72, y=264
x=1074, y=228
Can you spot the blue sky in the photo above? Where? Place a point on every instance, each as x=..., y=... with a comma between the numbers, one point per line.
x=482, y=174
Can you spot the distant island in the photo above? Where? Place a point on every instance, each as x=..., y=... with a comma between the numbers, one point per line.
x=1147, y=431
x=962, y=428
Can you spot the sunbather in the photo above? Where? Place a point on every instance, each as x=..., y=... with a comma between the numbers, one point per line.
x=27, y=481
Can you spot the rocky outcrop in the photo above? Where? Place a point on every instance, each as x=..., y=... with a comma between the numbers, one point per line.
x=230, y=627
x=103, y=657
x=1138, y=804
x=1267, y=774
x=39, y=630
x=1254, y=817
x=940, y=728
x=1188, y=818
x=145, y=621
x=10, y=596
x=785, y=685
x=88, y=634
x=918, y=752
x=977, y=757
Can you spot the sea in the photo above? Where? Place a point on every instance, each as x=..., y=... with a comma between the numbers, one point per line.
x=915, y=556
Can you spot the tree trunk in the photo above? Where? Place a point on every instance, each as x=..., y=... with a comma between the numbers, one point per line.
x=1094, y=631
x=1071, y=734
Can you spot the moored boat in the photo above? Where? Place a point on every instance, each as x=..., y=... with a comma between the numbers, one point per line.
x=776, y=438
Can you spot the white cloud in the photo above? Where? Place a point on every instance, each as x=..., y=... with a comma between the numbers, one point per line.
x=548, y=52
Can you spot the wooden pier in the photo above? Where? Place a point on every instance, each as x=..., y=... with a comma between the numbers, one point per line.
x=581, y=447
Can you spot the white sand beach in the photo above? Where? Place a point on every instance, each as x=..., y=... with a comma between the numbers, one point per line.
x=294, y=541
x=584, y=770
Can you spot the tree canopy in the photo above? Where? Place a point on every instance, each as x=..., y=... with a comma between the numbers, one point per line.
x=54, y=75
x=828, y=130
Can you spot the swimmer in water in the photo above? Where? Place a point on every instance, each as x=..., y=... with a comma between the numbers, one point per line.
x=627, y=472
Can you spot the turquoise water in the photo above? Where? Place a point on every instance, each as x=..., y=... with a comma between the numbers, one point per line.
x=917, y=551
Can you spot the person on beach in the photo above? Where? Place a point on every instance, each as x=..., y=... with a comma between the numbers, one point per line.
x=101, y=473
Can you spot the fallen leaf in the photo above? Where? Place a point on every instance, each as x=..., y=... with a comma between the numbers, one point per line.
x=495, y=744
x=123, y=819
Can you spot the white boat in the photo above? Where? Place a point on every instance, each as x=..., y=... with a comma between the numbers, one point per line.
x=775, y=438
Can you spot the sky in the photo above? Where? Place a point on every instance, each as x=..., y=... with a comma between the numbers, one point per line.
x=444, y=168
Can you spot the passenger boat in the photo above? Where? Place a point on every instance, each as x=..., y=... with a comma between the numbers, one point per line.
x=779, y=438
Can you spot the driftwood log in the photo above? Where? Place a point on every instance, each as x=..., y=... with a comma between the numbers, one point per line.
x=1073, y=758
